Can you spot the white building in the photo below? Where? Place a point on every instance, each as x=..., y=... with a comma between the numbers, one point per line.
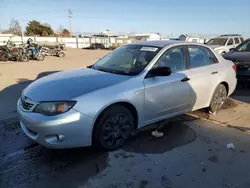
x=146, y=36
x=193, y=38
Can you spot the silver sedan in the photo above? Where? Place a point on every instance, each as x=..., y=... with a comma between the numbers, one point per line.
x=131, y=87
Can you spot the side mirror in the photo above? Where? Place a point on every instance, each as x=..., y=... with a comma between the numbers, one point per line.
x=231, y=49
x=161, y=71
x=90, y=66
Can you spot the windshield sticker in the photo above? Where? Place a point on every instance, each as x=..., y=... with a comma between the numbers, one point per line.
x=149, y=49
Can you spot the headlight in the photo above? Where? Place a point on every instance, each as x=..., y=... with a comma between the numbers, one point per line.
x=54, y=108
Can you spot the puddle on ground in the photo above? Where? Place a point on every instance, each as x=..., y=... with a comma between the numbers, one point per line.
x=27, y=164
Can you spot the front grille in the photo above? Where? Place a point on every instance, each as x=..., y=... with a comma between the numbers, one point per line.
x=26, y=105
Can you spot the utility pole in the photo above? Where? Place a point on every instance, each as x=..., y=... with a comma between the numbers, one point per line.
x=70, y=16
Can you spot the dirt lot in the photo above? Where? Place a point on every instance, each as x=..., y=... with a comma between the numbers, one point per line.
x=15, y=76
x=192, y=153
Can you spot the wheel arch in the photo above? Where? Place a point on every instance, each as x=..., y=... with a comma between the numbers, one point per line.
x=126, y=104
x=226, y=85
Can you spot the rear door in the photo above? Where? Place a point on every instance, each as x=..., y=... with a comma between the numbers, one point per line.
x=203, y=74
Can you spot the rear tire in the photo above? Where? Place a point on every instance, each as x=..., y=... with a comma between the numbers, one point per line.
x=24, y=58
x=113, y=128
x=218, y=99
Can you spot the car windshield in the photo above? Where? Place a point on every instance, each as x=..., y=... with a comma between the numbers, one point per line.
x=243, y=47
x=127, y=60
x=217, y=41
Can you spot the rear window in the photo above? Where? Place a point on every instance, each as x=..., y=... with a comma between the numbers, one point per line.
x=241, y=39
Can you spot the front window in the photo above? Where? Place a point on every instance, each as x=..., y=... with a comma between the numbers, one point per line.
x=217, y=41
x=127, y=60
x=243, y=47
x=173, y=58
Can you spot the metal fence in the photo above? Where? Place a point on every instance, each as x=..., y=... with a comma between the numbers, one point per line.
x=69, y=42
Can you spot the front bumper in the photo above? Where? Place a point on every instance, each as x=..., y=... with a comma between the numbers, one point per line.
x=68, y=130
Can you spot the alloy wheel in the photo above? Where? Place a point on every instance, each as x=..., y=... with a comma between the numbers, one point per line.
x=116, y=130
x=220, y=97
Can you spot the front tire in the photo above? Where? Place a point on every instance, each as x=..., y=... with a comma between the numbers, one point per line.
x=40, y=57
x=61, y=54
x=113, y=128
x=218, y=99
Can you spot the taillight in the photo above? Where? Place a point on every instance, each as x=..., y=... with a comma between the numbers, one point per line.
x=234, y=68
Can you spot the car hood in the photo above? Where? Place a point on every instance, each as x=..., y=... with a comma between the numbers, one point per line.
x=68, y=84
x=238, y=56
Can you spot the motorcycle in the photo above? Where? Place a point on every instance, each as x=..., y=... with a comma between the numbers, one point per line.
x=13, y=53
x=35, y=53
x=54, y=51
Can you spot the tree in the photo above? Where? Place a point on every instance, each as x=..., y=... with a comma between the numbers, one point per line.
x=36, y=28
x=14, y=28
x=45, y=34
x=65, y=33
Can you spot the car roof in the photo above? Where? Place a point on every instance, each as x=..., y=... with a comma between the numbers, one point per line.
x=158, y=43
x=163, y=43
x=231, y=36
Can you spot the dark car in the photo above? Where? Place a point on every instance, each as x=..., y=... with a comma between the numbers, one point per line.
x=241, y=57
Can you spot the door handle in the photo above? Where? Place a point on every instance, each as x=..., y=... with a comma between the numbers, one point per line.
x=185, y=79
x=214, y=72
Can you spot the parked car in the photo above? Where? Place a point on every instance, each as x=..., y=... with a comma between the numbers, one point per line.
x=241, y=56
x=131, y=87
x=223, y=43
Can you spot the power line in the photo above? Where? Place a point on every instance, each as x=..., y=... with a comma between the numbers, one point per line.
x=36, y=12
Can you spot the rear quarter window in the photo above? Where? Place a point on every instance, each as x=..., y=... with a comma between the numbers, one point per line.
x=236, y=40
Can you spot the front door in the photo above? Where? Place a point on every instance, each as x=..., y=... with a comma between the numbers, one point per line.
x=167, y=96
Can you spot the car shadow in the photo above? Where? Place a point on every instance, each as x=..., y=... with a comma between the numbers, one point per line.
x=10, y=95
x=242, y=92
x=176, y=134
